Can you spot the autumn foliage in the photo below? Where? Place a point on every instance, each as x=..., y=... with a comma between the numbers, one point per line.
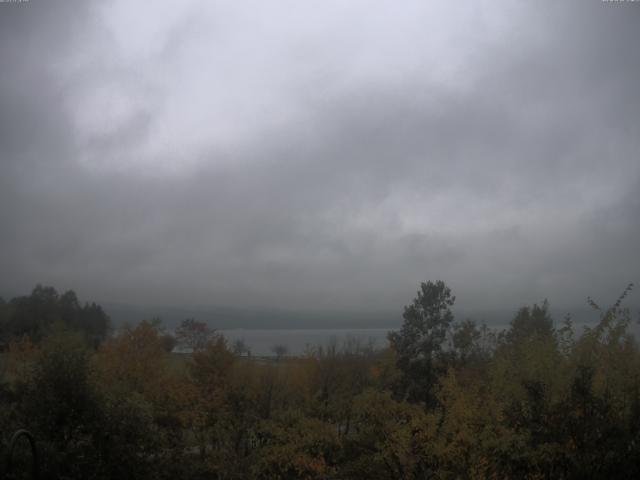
x=445, y=400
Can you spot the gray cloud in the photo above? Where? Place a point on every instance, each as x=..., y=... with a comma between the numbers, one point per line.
x=224, y=157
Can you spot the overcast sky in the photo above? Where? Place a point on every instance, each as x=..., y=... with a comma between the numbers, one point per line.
x=320, y=155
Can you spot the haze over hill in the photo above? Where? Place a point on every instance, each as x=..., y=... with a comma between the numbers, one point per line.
x=229, y=318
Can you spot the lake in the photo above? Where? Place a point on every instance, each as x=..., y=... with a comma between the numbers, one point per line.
x=296, y=341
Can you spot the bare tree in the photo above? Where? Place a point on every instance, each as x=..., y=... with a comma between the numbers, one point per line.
x=279, y=351
x=240, y=347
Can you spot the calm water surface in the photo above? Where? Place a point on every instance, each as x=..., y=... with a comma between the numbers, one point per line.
x=261, y=342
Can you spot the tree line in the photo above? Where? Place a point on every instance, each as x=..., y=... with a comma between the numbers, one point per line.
x=446, y=399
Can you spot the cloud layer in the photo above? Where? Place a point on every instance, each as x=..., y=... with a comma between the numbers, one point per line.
x=320, y=156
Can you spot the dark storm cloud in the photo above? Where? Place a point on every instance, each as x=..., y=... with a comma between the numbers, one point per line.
x=515, y=179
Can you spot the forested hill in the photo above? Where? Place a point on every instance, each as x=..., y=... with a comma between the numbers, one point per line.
x=96, y=316
x=268, y=318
